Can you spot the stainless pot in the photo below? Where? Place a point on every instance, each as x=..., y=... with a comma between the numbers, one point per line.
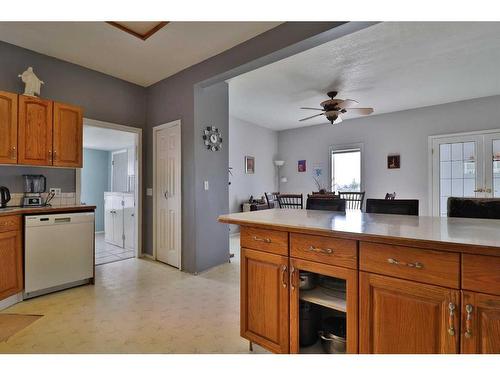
x=332, y=344
x=307, y=280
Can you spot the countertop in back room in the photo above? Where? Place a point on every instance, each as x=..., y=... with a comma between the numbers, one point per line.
x=45, y=210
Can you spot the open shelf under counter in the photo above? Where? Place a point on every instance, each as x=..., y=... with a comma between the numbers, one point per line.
x=316, y=348
x=325, y=297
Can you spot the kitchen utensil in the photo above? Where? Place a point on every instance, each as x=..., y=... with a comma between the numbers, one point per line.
x=308, y=323
x=332, y=344
x=307, y=280
x=4, y=196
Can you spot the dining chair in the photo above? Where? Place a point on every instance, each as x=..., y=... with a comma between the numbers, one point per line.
x=326, y=204
x=393, y=206
x=354, y=199
x=272, y=199
x=290, y=201
x=481, y=208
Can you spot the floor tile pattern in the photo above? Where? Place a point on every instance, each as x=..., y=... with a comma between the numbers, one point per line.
x=107, y=253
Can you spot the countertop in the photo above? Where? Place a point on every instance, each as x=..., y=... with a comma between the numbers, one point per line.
x=451, y=234
x=45, y=210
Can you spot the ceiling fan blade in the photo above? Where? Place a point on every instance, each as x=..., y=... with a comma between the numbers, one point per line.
x=347, y=103
x=337, y=121
x=310, y=117
x=316, y=109
x=360, y=111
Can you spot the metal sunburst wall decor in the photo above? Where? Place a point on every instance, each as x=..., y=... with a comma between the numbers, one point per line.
x=212, y=138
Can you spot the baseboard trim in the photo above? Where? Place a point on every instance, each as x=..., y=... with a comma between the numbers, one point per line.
x=99, y=232
x=12, y=300
x=149, y=256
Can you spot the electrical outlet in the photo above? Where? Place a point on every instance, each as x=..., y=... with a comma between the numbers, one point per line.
x=149, y=192
x=56, y=191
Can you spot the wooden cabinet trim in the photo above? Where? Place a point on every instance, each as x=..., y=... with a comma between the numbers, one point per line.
x=481, y=273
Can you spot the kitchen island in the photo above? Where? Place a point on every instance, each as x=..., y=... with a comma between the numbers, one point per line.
x=408, y=284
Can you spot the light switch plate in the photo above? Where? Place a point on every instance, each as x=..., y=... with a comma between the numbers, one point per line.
x=205, y=185
x=149, y=192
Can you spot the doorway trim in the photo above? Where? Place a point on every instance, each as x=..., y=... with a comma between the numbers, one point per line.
x=138, y=193
x=156, y=129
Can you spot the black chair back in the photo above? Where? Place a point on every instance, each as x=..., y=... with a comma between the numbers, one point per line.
x=481, y=208
x=290, y=201
x=354, y=199
x=326, y=204
x=272, y=199
x=393, y=206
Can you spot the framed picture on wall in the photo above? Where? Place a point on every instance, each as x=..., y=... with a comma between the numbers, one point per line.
x=301, y=166
x=393, y=161
x=249, y=165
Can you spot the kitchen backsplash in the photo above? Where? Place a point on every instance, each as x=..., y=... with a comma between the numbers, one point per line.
x=64, y=199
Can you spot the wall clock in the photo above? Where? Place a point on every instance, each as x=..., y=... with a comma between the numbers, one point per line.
x=212, y=138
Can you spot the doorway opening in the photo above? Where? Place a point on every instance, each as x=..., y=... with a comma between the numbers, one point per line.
x=110, y=180
x=167, y=194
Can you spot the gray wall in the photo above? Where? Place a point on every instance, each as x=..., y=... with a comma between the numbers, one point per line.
x=12, y=178
x=173, y=99
x=95, y=181
x=404, y=132
x=247, y=139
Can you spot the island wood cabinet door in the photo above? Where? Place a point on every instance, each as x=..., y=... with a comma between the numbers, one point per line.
x=35, y=131
x=68, y=134
x=404, y=317
x=264, y=299
x=8, y=128
x=347, y=305
x=11, y=264
x=480, y=323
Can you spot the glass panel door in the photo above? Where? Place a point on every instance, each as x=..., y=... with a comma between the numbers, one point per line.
x=492, y=165
x=457, y=169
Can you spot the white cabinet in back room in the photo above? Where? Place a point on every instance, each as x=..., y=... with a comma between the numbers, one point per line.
x=119, y=219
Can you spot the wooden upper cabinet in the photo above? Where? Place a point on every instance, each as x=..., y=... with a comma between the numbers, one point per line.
x=68, y=134
x=35, y=131
x=8, y=128
x=264, y=299
x=406, y=317
x=480, y=323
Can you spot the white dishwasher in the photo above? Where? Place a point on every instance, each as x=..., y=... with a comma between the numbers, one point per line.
x=59, y=252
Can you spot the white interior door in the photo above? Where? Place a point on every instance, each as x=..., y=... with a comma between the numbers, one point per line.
x=108, y=218
x=119, y=181
x=129, y=221
x=168, y=195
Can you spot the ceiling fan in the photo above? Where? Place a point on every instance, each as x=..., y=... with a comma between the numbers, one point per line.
x=334, y=108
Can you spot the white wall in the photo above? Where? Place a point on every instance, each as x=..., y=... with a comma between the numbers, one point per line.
x=404, y=132
x=247, y=139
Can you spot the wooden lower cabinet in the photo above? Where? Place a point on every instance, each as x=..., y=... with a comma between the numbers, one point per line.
x=405, y=317
x=349, y=307
x=11, y=264
x=264, y=299
x=480, y=323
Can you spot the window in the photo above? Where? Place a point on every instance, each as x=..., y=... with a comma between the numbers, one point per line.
x=345, y=164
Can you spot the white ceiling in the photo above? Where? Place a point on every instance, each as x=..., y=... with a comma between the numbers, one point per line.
x=390, y=66
x=102, y=47
x=106, y=139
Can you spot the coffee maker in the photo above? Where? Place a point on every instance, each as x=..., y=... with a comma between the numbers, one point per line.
x=34, y=186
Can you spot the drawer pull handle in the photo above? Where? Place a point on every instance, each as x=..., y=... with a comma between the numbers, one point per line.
x=283, y=276
x=468, y=321
x=416, y=265
x=266, y=240
x=451, y=323
x=320, y=250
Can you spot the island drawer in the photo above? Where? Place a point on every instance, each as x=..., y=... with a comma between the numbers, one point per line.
x=329, y=250
x=10, y=223
x=481, y=273
x=271, y=241
x=427, y=266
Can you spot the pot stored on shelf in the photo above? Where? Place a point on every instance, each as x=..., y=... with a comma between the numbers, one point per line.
x=307, y=280
x=308, y=324
x=333, y=334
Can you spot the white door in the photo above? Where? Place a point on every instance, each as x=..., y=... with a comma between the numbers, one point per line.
x=129, y=221
x=168, y=194
x=119, y=172
x=108, y=218
x=464, y=166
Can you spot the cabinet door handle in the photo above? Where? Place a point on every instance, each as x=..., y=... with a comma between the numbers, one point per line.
x=50, y=155
x=292, y=272
x=13, y=152
x=468, y=321
x=451, y=319
x=266, y=240
x=416, y=265
x=283, y=276
x=320, y=250
x=54, y=155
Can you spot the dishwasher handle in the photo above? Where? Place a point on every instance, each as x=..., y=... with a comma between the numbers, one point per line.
x=58, y=220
